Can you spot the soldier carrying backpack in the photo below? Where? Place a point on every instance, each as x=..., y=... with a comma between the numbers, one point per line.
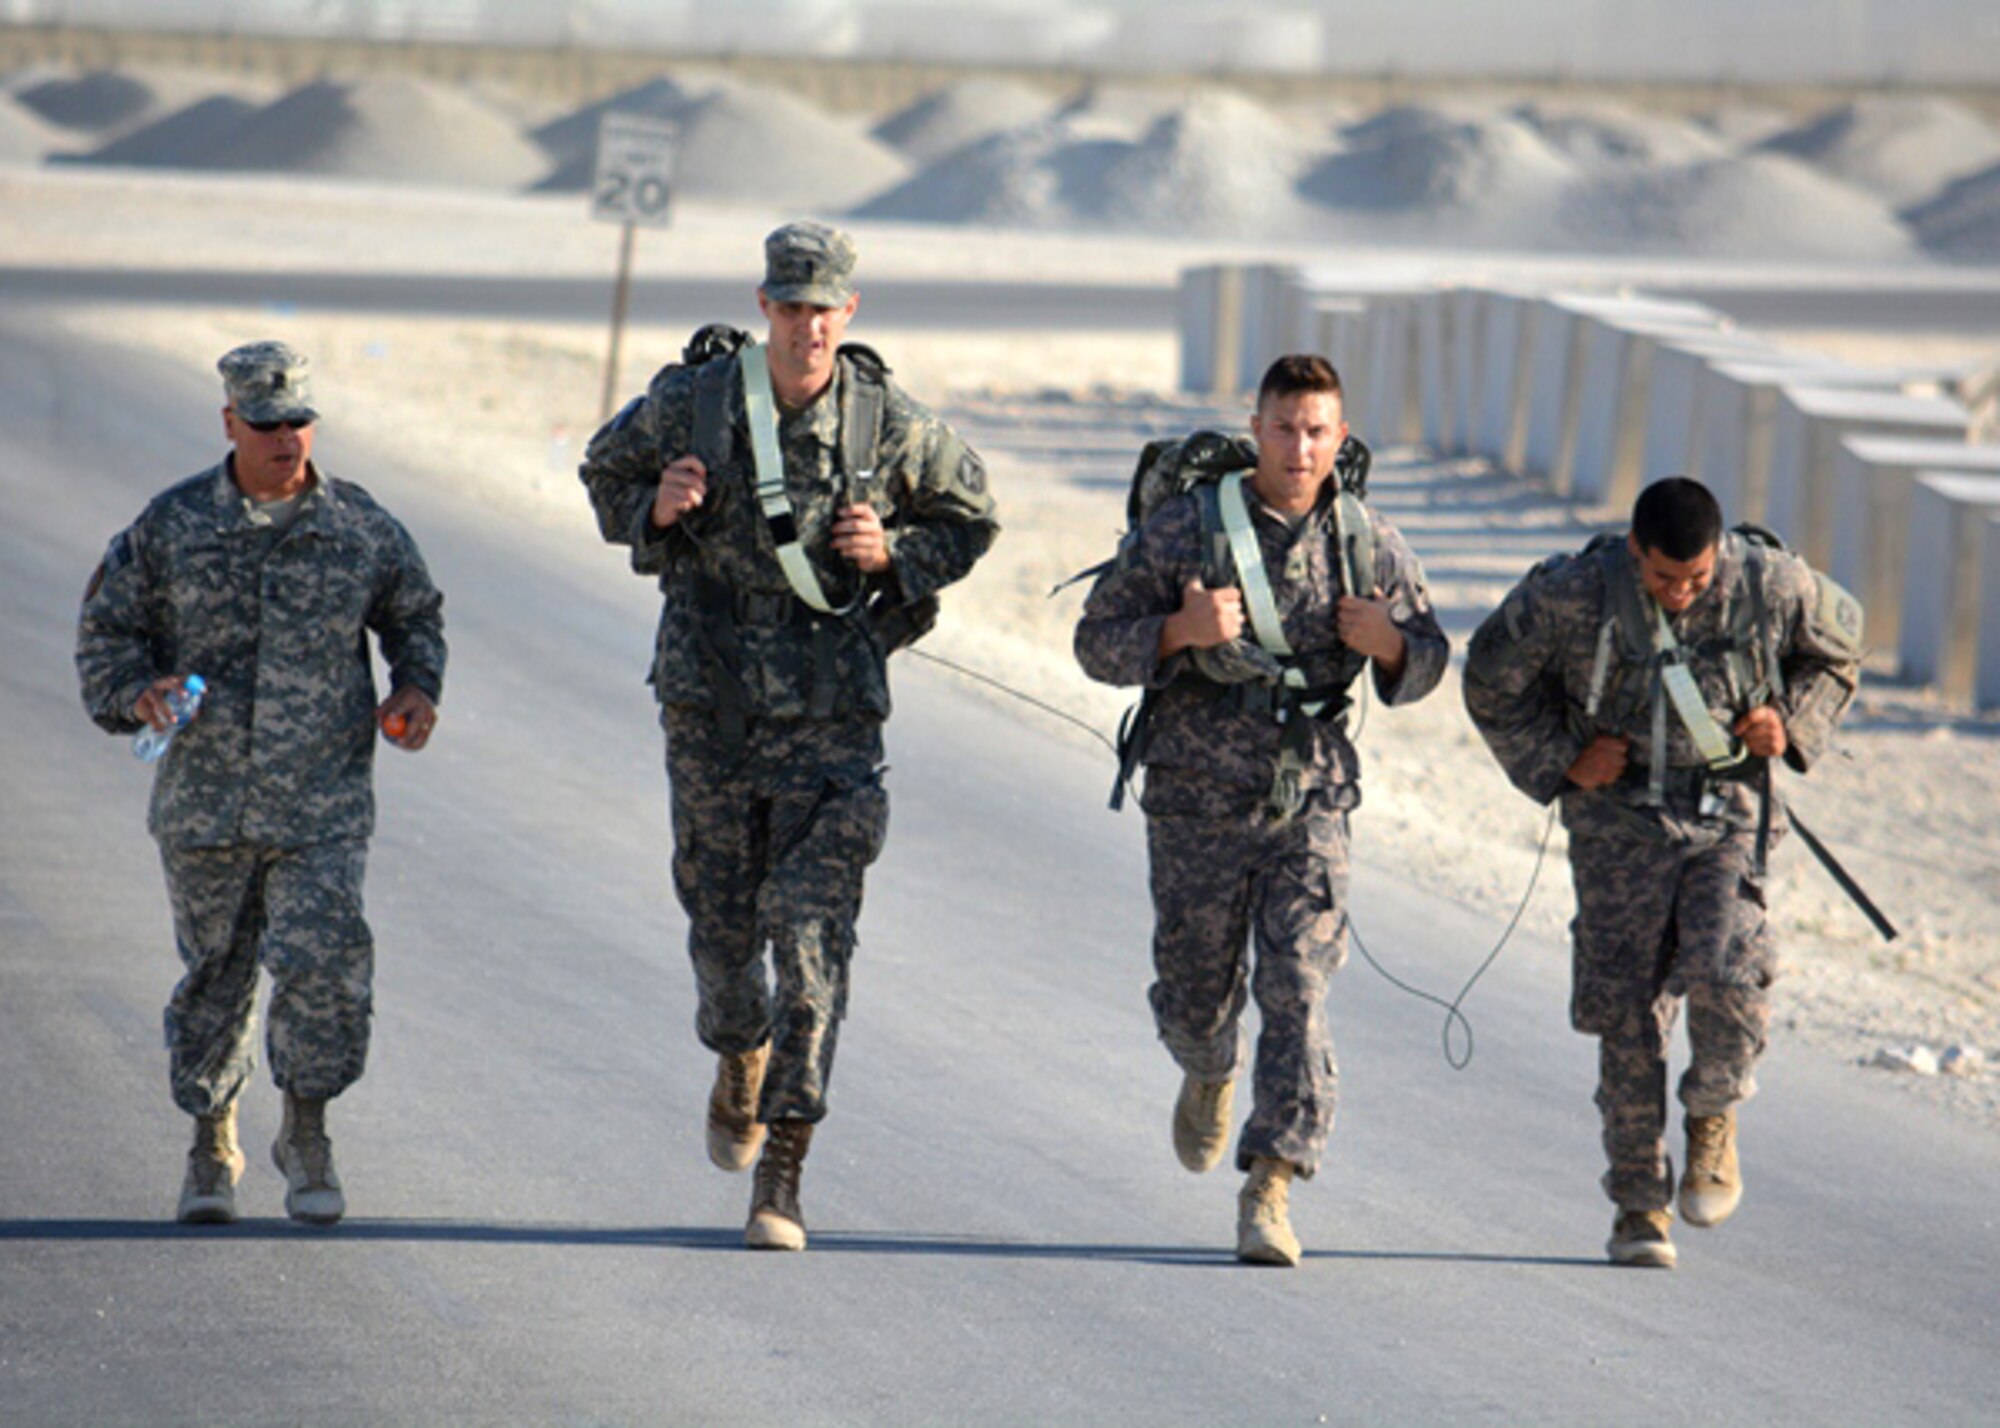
x=801, y=512
x=1254, y=590
x=1649, y=682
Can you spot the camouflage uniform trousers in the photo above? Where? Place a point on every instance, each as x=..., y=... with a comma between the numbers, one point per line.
x=297, y=912
x=1658, y=922
x=771, y=842
x=1221, y=885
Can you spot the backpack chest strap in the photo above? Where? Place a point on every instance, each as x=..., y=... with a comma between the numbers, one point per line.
x=761, y=409
x=1718, y=750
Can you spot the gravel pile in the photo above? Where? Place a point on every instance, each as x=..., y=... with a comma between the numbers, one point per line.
x=949, y=118
x=1904, y=150
x=1962, y=222
x=388, y=129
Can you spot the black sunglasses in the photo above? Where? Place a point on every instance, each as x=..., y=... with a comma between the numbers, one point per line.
x=267, y=427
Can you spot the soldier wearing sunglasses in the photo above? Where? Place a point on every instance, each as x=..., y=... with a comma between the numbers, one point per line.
x=265, y=576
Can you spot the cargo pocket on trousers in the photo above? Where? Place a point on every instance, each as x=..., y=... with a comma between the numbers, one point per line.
x=1749, y=958
x=1602, y=983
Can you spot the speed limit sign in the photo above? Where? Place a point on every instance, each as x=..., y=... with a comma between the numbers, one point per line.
x=635, y=155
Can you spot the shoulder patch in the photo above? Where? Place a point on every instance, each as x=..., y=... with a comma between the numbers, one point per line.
x=962, y=462
x=121, y=552
x=1838, y=616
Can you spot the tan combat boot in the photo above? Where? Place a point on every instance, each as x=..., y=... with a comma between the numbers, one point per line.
x=1639, y=1237
x=775, y=1219
x=304, y=1156
x=215, y=1164
x=1201, y=1122
x=1263, y=1220
x=734, y=1134
x=1713, y=1184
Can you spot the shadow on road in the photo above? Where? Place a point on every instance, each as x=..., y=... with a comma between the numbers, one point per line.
x=704, y=1238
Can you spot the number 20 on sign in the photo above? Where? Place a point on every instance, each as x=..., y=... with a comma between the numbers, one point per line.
x=634, y=170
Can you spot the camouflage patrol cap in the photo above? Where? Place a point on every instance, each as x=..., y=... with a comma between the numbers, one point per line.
x=809, y=262
x=267, y=381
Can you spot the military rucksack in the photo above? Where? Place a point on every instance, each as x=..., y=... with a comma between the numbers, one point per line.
x=1173, y=466
x=1260, y=670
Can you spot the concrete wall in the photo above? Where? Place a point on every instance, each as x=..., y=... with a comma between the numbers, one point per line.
x=1615, y=403
x=1391, y=408
x=1873, y=479
x=1211, y=326
x=1942, y=611
x=1805, y=431
x=1739, y=405
x=1986, y=672
x=1673, y=414
x=1506, y=361
x=1437, y=368
x=1554, y=381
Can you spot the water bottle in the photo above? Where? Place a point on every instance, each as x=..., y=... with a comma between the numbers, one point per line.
x=149, y=743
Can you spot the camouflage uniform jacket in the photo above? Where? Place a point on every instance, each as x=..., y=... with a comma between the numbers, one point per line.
x=280, y=754
x=928, y=487
x=1217, y=754
x=1528, y=669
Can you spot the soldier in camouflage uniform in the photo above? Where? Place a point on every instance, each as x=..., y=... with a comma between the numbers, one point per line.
x=1664, y=813
x=773, y=708
x=263, y=576
x=1242, y=853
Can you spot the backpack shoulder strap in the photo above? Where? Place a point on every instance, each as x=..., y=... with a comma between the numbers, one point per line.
x=761, y=409
x=1218, y=567
x=1356, y=534
x=864, y=398
x=1259, y=604
x=714, y=433
x=1750, y=625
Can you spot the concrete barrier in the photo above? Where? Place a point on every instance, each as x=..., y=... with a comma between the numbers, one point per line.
x=1806, y=429
x=1391, y=411
x=1986, y=674
x=1873, y=477
x=1337, y=330
x=1738, y=402
x=1437, y=370
x=1673, y=415
x=1211, y=327
x=1472, y=309
x=1270, y=315
x=1613, y=405
x=1942, y=611
x=1506, y=363
x=1557, y=373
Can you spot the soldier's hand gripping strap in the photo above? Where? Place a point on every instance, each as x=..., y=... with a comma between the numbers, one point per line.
x=762, y=410
x=1258, y=602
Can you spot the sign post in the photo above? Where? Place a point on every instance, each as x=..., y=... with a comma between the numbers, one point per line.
x=633, y=186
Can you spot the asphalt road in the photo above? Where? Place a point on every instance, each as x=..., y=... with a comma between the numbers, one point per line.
x=1000, y=1231
x=1955, y=303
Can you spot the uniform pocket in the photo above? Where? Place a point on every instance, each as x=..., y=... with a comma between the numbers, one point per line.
x=1606, y=980
x=1748, y=956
